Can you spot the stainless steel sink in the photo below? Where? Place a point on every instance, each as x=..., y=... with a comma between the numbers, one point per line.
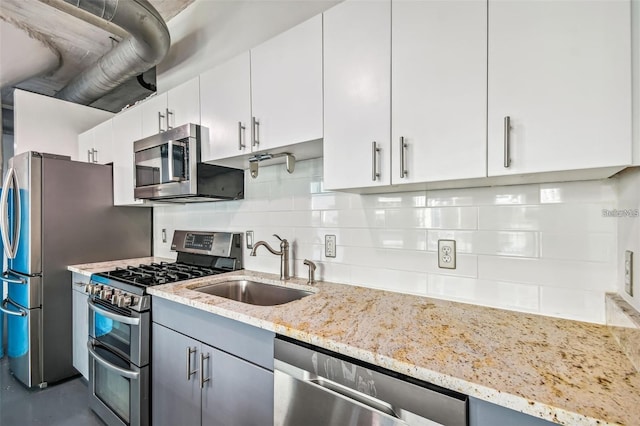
x=254, y=293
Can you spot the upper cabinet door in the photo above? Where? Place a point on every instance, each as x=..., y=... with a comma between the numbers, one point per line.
x=286, y=86
x=560, y=70
x=127, y=128
x=225, y=106
x=183, y=104
x=357, y=95
x=439, y=80
x=103, y=143
x=154, y=115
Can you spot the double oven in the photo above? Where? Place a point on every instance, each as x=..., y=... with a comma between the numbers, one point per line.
x=119, y=340
x=119, y=353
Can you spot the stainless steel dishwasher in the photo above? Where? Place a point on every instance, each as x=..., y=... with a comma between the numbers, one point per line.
x=313, y=386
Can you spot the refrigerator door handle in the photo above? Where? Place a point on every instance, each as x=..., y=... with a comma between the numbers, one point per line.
x=10, y=248
x=3, y=308
x=5, y=277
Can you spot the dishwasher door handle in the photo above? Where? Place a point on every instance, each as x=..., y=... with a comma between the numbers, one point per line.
x=354, y=396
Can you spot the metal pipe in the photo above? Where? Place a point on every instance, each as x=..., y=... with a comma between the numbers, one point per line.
x=146, y=46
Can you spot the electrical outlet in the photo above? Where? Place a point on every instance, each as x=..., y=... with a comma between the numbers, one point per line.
x=628, y=272
x=330, y=246
x=249, y=239
x=164, y=235
x=447, y=254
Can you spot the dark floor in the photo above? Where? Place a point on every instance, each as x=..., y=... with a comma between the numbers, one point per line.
x=62, y=404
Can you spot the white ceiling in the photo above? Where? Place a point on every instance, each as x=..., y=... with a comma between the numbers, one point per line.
x=42, y=48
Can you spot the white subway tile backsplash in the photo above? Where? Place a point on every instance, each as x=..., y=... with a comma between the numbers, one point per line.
x=498, y=195
x=593, y=191
x=393, y=201
x=502, y=243
x=592, y=247
x=573, y=304
x=390, y=279
x=551, y=272
x=489, y=293
x=524, y=247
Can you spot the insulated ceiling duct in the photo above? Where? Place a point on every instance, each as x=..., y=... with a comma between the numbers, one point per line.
x=145, y=47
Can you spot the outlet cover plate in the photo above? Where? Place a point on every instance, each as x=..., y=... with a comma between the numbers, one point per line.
x=330, y=246
x=249, y=239
x=628, y=272
x=447, y=254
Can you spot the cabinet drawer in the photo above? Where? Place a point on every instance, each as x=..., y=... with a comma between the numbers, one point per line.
x=244, y=341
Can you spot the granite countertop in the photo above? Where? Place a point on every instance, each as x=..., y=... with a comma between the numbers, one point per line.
x=568, y=372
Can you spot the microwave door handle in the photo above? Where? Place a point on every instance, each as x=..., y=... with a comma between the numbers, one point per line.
x=170, y=169
x=133, y=375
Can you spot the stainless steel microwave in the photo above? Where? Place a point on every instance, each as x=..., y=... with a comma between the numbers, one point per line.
x=168, y=168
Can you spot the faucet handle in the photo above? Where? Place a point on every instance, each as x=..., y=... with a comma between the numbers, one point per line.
x=277, y=236
x=312, y=269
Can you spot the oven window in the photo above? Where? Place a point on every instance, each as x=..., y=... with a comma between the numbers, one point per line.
x=112, y=333
x=155, y=166
x=111, y=388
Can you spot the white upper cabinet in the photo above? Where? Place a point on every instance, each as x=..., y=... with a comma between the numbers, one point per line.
x=154, y=115
x=178, y=106
x=357, y=96
x=225, y=107
x=183, y=103
x=286, y=87
x=560, y=70
x=96, y=144
x=127, y=128
x=439, y=81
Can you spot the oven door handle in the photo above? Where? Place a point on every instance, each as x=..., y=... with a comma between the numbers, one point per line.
x=133, y=375
x=120, y=318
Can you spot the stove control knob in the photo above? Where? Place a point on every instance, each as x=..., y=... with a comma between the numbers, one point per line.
x=105, y=294
x=126, y=302
x=134, y=301
x=88, y=288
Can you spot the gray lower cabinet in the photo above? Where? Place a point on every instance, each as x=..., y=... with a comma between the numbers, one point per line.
x=208, y=370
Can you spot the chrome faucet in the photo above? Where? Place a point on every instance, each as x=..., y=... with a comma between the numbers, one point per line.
x=283, y=253
x=312, y=270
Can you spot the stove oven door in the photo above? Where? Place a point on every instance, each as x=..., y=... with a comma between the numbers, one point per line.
x=119, y=390
x=123, y=331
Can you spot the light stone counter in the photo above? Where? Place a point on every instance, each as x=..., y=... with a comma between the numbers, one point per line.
x=564, y=371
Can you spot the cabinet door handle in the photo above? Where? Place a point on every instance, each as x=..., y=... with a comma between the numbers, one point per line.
x=203, y=357
x=507, y=142
x=95, y=155
x=160, y=118
x=255, y=131
x=241, y=129
x=89, y=155
x=170, y=114
x=403, y=159
x=190, y=372
x=375, y=151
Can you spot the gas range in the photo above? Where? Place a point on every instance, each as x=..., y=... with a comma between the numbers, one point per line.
x=200, y=254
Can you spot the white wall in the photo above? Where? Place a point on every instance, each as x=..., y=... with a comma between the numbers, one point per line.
x=51, y=125
x=543, y=248
x=208, y=32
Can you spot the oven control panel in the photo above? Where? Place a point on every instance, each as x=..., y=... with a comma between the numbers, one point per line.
x=117, y=297
x=219, y=244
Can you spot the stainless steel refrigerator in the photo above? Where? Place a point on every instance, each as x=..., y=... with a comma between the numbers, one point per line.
x=57, y=212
